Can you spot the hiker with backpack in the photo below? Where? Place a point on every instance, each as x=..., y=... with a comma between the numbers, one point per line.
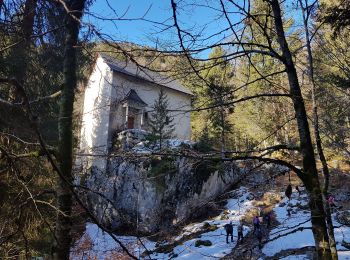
x=331, y=203
x=229, y=231
x=267, y=218
x=256, y=223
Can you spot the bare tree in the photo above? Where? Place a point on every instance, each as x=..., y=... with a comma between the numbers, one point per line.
x=279, y=50
x=275, y=45
x=21, y=100
x=307, y=10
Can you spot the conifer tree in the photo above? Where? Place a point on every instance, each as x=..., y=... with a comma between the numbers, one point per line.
x=160, y=121
x=219, y=92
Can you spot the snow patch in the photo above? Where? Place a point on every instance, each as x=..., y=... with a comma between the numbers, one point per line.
x=302, y=238
x=173, y=144
x=102, y=244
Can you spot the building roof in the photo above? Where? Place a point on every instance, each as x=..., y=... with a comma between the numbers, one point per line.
x=132, y=69
x=132, y=96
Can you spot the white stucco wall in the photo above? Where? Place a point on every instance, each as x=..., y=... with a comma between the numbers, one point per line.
x=95, y=118
x=102, y=113
x=149, y=92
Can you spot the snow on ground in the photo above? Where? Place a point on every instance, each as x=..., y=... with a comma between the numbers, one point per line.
x=97, y=244
x=295, y=257
x=102, y=244
x=236, y=207
x=299, y=239
x=298, y=218
x=175, y=143
x=344, y=255
x=147, y=147
x=341, y=233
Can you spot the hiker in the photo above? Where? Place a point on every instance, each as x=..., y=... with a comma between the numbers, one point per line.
x=229, y=231
x=256, y=223
x=288, y=191
x=298, y=190
x=240, y=232
x=331, y=203
x=268, y=219
x=259, y=237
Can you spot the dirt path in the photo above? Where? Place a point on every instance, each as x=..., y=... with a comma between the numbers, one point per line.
x=249, y=249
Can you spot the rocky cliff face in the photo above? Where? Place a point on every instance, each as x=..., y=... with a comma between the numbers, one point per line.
x=151, y=193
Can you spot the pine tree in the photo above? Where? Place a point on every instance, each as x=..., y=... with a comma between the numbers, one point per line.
x=160, y=121
x=219, y=93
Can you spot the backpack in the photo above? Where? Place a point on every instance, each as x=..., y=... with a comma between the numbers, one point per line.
x=228, y=228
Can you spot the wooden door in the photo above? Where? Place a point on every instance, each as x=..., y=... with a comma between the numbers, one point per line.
x=131, y=120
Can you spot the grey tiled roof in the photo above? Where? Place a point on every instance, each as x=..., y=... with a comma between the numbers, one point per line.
x=131, y=69
x=132, y=95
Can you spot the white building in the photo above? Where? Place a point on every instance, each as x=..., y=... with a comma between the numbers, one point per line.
x=119, y=96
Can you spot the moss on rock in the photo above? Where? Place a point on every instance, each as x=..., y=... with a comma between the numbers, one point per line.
x=203, y=243
x=160, y=168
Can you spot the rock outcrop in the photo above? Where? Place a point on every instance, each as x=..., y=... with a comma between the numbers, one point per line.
x=147, y=194
x=344, y=218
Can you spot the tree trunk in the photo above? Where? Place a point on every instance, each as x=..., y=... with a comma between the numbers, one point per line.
x=20, y=53
x=319, y=147
x=65, y=148
x=310, y=177
x=222, y=134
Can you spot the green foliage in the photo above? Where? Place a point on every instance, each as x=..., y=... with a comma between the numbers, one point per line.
x=39, y=66
x=199, y=243
x=204, y=169
x=215, y=93
x=160, y=121
x=332, y=79
x=208, y=228
x=219, y=90
x=162, y=165
x=37, y=63
x=337, y=14
x=205, y=142
x=30, y=220
x=338, y=80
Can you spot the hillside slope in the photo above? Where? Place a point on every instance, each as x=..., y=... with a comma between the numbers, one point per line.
x=289, y=237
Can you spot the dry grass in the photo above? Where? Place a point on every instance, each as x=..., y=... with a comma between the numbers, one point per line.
x=249, y=215
x=265, y=205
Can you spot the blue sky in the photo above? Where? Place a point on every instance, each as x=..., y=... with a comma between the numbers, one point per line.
x=134, y=31
x=198, y=19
